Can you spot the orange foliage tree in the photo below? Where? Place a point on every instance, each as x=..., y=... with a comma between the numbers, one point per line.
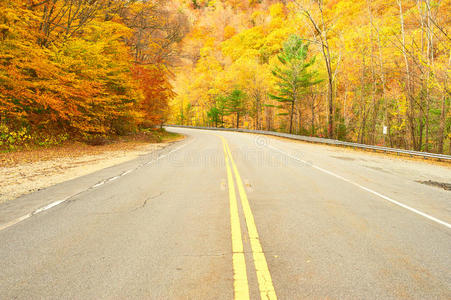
x=157, y=91
x=83, y=68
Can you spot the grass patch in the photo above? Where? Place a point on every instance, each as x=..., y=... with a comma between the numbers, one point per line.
x=10, y=158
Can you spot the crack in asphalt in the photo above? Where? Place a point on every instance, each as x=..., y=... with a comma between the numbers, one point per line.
x=147, y=200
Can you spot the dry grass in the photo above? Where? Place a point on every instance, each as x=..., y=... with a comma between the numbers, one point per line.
x=26, y=171
x=78, y=149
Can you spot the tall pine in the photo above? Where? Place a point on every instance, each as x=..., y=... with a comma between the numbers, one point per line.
x=293, y=76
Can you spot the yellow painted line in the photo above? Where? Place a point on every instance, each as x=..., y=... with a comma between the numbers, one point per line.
x=240, y=283
x=261, y=266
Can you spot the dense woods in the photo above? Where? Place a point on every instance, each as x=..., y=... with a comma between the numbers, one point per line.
x=84, y=68
x=373, y=72
x=381, y=69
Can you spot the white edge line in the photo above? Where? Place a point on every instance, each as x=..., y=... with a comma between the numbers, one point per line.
x=114, y=178
x=53, y=204
x=13, y=222
x=127, y=172
x=49, y=206
x=98, y=184
x=367, y=189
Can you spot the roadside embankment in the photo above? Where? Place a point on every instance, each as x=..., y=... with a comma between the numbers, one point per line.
x=23, y=172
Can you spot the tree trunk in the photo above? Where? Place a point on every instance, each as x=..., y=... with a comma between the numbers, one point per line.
x=300, y=120
x=313, y=117
x=410, y=113
x=291, y=116
x=257, y=104
x=361, y=135
x=322, y=31
x=373, y=80
x=362, y=127
x=386, y=121
x=430, y=54
x=420, y=133
x=427, y=125
x=330, y=117
x=373, y=94
x=441, y=131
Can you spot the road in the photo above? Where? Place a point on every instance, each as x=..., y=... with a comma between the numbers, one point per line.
x=225, y=215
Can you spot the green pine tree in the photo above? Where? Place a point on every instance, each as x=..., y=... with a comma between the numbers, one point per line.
x=236, y=104
x=294, y=76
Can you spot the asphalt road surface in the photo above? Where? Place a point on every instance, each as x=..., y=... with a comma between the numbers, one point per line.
x=225, y=215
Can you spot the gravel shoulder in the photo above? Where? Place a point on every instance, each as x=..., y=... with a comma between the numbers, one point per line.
x=27, y=172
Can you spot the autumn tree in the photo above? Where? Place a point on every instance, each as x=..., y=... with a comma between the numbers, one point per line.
x=156, y=31
x=294, y=77
x=322, y=38
x=386, y=66
x=62, y=19
x=70, y=69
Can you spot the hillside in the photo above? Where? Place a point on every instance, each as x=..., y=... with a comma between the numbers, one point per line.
x=384, y=68
x=374, y=72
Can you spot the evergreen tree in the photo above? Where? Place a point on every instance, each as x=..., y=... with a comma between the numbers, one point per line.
x=236, y=105
x=294, y=76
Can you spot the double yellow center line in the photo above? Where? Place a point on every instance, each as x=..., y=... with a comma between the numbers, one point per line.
x=241, y=285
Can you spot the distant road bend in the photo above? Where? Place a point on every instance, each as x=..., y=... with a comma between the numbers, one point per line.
x=226, y=215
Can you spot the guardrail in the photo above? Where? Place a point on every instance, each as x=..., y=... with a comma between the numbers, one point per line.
x=411, y=153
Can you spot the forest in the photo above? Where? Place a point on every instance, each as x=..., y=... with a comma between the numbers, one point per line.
x=374, y=72
x=80, y=69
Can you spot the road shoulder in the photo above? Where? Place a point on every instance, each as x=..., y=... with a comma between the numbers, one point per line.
x=65, y=178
